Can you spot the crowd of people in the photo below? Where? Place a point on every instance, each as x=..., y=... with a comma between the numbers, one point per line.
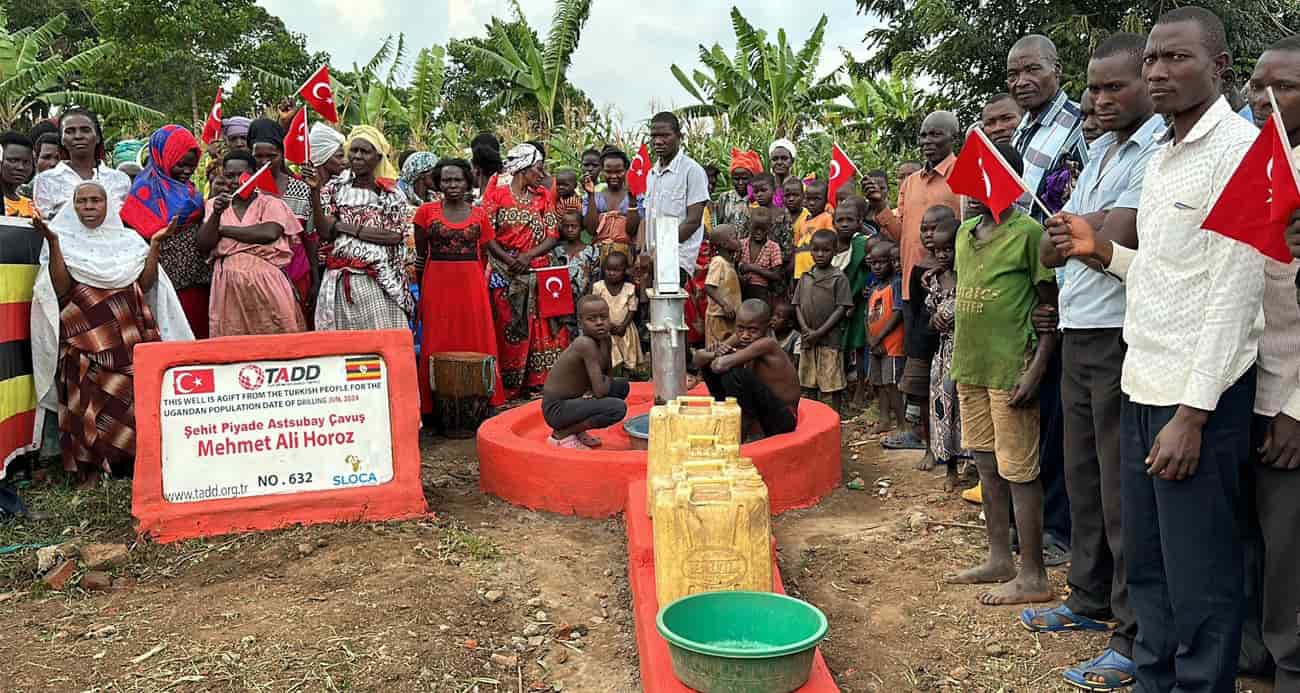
x=1125, y=384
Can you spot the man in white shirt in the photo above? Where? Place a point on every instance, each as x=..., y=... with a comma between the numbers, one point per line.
x=1192, y=324
x=676, y=187
x=1276, y=471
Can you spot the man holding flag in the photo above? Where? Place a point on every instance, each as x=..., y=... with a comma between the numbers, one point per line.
x=1192, y=324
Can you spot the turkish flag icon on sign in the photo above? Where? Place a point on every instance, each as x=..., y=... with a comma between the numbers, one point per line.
x=640, y=172
x=194, y=381
x=554, y=293
x=296, y=147
x=212, y=126
x=1258, y=199
x=318, y=92
x=842, y=171
x=981, y=173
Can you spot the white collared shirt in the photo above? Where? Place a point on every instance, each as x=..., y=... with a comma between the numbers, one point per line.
x=53, y=188
x=1193, y=317
x=670, y=190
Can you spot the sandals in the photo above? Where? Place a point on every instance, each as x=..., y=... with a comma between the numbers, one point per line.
x=1115, y=670
x=1059, y=619
x=1055, y=553
x=905, y=440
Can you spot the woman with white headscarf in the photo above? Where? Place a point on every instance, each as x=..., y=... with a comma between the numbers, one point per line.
x=523, y=215
x=99, y=292
x=780, y=159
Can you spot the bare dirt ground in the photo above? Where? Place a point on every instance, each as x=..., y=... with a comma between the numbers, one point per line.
x=495, y=599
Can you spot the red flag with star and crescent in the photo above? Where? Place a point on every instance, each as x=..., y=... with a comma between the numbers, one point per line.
x=263, y=180
x=318, y=92
x=1264, y=180
x=212, y=126
x=554, y=292
x=639, y=173
x=982, y=174
x=842, y=171
x=296, y=146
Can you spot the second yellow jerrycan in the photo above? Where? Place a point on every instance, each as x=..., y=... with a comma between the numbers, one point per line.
x=681, y=418
x=712, y=533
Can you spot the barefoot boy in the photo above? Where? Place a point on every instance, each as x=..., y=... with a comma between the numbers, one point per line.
x=752, y=368
x=885, y=338
x=821, y=300
x=998, y=364
x=584, y=368
x=722, y=286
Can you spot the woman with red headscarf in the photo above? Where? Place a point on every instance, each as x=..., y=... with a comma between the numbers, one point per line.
x=161, y=193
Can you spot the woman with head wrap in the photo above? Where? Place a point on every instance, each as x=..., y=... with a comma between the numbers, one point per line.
x=100, y=291
x=456, y=237
x=327, y=160
x=266, y=142
x=126, y=157
x=733, y=205
x=365, y=218
x=417, y=178
x=235, y=131
x=780, y=156
x=82, y=150
x=251, y=241
x=523, y=214
x=163, y=192
x=485, y=157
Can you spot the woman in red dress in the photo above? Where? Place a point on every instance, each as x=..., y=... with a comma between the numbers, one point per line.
x=523, y=215
x=455, y=238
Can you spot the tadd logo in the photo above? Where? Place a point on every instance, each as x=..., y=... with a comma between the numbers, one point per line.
x=252, y=376
x=357, y=477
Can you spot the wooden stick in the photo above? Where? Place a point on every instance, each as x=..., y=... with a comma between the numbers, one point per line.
x=993, y=148
x=962, y=525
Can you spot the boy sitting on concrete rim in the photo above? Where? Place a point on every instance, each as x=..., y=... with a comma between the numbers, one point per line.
x=751, y=367
x=584, y=368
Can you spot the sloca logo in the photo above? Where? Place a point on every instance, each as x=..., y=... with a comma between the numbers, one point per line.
x=194, y=381
x=253, y=377
x=357, y=477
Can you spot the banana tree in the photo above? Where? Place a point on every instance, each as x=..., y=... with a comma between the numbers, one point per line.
x=889, y=110
x=531, y=72
x=763, y=80
x=30, y=83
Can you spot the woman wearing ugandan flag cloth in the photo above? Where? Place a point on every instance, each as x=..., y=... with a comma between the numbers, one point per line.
x=364, y=217
x=162, y=193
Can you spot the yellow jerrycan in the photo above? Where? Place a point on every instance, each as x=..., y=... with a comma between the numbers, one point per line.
x=679, y=419
x=712, y=533
x=700, y=458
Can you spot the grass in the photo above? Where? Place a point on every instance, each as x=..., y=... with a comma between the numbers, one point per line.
x=101, y=514
x=460, y=541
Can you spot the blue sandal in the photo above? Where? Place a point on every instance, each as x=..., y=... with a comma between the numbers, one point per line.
x=1115, y=670
x=1059, y=619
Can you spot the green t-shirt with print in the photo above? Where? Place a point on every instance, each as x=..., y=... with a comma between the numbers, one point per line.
x=996, y=296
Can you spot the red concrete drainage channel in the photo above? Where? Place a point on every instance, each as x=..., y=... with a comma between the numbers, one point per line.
x=517, y=465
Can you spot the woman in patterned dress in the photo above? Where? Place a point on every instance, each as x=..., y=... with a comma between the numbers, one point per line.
x=526, y=228
x=365, y=219
x=100, y=291
x=455, y=237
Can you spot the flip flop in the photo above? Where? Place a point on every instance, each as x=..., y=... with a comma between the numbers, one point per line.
x=1118, y=672
x=1059, y=618
x=589, y=440
x=905, y=440
x=1055, y=554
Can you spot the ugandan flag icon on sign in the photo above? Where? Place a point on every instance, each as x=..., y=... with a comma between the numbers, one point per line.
x=364, y=368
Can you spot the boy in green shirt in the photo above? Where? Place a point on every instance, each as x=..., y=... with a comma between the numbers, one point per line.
x=998, y=363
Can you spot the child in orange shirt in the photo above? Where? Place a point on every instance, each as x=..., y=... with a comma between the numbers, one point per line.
x=885, y=338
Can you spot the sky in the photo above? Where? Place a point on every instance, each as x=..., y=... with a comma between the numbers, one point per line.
x=626, y=50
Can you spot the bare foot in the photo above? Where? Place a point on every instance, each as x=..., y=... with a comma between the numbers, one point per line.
x=952, y=481
x=589, y=440
x=1022, y=590
x=986, y=573
x=926, y=463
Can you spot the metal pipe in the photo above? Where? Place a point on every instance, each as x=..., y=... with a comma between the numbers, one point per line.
x=667, y=344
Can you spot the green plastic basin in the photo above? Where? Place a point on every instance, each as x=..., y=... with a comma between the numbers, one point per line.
x=741, y=642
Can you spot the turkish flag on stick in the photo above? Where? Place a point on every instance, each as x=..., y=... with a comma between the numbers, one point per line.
x=263, y=180
x=842, y=171
x=554, y=293
x=212, y=126
x=297, y=149
x=318, y=92
x=639, y=173
x=982, y=174
x=1258, y=199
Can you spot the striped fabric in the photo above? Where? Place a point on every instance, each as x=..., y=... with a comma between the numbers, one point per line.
x=20, y=249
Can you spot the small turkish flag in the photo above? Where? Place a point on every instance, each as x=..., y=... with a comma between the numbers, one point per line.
x=554, y=293
x=194, y=381
x=296, y=147
x=263, y=180
x=318, y=92
x=842, y=171
x=1264, y=180
x=981, y=173
x=212, y=126
x=639, y=173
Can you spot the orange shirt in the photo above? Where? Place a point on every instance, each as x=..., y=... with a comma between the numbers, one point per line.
x=919, y=192
x=880, y=307
x=805, y=227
